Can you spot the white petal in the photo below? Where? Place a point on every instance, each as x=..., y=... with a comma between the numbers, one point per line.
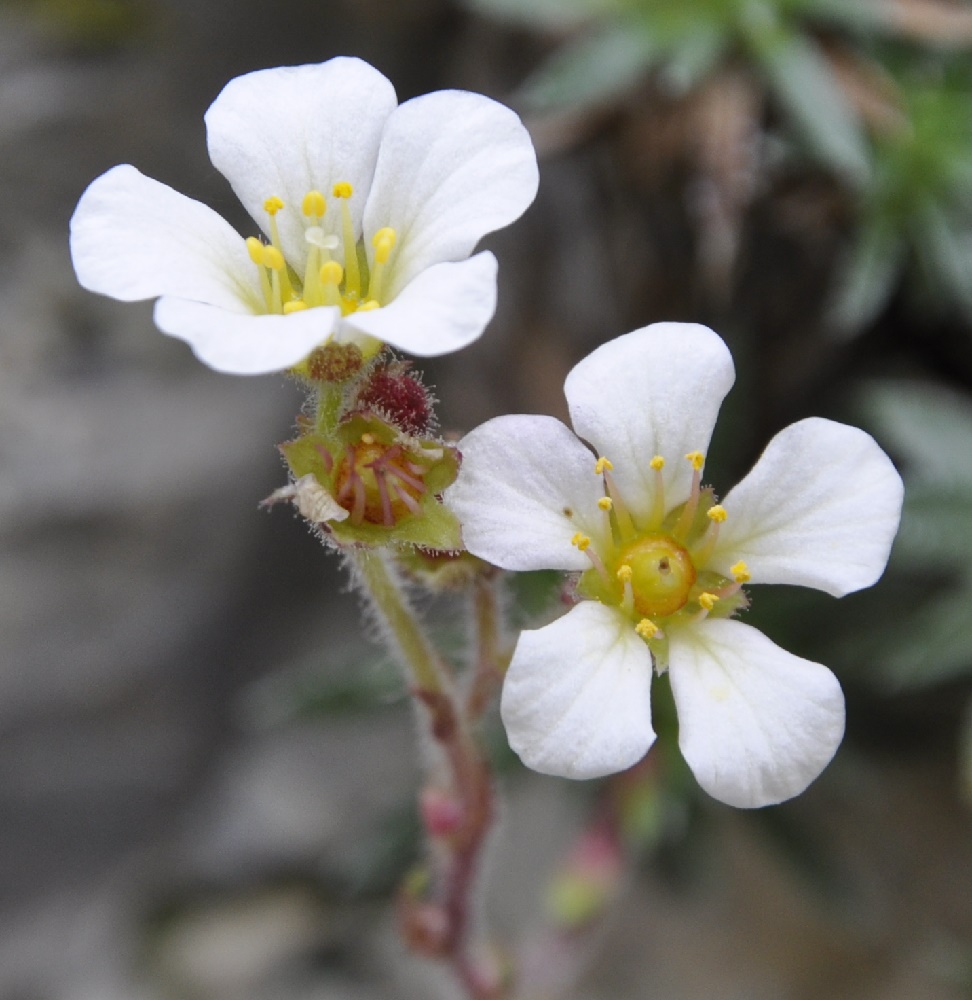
x=296, y=129
x=526, y=485
x=133, y=238
x=756, y=724
x=819, y=509
x=443, y=309
x=453, y=166
x=241, y=344
x=656, y=391
x=576, y=700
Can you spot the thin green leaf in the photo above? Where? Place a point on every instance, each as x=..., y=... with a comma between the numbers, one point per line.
x=867, y=278
x=927, y=426
x=801, y=80
x=934, y=647
x=596, y=68
x=551, y=15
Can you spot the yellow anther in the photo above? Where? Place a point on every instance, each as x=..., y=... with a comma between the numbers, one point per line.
x=605, y=503
x=581, y=541
x=657, y=463
x=646, y=628
x=697, y=459
x=603, y=465
x=368, y=305
x=367, y=438
x=740, y=572
x=273, y=258
x=314, y=204
x=255, y=249
x=708, y=601
x=343, y=190
x=332, y=273
x=295, y=305
x=717, y=513
x=624, y=573
x=273, y=205
x=383, y=242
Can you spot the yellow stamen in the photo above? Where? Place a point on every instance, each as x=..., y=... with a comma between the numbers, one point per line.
x=740, y=572
x=369, y=305
x=367, y=438
x=255, y=249
x=273, y=258
x=605, y=503
x=687, y=517
x=707, y=600
x=352, y=273
x=657, y=463
x=331, y=275
x=314, y=204
x=273, y=205
x=717, y=513
x=581, y=541
x=646, y=628
x=294, y=305
x=383, y=242
x=624, y=573
x=602, y=465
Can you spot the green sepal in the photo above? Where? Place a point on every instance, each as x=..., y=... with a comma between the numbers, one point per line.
x=435, y=528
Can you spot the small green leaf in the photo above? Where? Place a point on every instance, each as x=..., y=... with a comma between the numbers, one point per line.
x=594, y=69
x=801, y=80
x=927, y=426
x=553, y=15
x=934, y=645
x=868, y=274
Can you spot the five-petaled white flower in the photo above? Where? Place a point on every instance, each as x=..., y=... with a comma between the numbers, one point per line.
x=370, y=209
x=663, y=565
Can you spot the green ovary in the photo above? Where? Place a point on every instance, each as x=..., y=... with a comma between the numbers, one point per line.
x=662, y=574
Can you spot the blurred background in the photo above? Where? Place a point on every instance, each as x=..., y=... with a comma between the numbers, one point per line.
x=207, y=774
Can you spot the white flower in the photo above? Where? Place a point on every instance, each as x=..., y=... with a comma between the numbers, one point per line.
x=370, y=209
x=663, y=566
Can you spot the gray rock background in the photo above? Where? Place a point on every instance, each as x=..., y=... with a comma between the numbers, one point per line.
x=164, y=830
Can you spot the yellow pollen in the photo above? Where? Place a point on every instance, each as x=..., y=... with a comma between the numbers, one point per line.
x=708, y=601
x=383, y=242
x=581, y=541
x=273, y=205
x=368, y=305
x=255, y=249
x=657, y=463
x=273, y=258
x=367, y=438
x=624, y=573
x=697, y=459
x=314, y=204
x=602, y=465
x=740, y=572
x=646, y=628
x=605, y=503
x=332, y=273
x=717, y=513
x=295, y=305
x=343, y=190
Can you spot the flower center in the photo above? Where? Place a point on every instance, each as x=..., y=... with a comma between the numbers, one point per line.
x=653, y=564
x=336, y=271
x=662, y=574
x=378, y=483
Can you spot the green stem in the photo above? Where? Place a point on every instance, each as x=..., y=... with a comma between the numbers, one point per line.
x=426, y=669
